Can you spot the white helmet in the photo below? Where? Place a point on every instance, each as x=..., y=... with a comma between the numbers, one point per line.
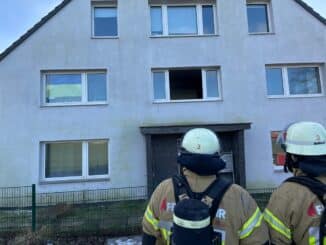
x=306, y=138
x=201, y=141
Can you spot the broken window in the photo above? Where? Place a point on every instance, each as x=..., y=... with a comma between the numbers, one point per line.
x=186, y=84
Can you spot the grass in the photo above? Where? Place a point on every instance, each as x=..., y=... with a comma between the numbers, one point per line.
x=106, y=218
x=110, y=218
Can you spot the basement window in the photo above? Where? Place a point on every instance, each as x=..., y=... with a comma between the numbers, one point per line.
x=186, y=84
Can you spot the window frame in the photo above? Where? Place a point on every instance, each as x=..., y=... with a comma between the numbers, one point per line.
x=84, y=99
x=93, y=22
x=199, y=17
x=203, y=84
x=285, y=81
x=269, y=16
x=85, y=167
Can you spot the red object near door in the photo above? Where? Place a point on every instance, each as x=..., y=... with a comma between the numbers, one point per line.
x=280, y=159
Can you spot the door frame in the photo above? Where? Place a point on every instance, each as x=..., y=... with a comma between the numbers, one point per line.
x=237, y=144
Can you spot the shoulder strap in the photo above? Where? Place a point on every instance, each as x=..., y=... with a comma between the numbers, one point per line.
x=314, y=185
x=181, y=186
x=216, y=191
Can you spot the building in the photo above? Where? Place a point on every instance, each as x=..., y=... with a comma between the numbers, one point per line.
x=98, y=93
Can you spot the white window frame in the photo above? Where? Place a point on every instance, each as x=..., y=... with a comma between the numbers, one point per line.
x=203, y=82
x=93, y=22
x=85, y=174
x=285, y=80
x=84, y=100
x=269, y=16
x=199, y=17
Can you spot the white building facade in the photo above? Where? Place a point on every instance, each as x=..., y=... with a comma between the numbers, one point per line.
x=76, y=90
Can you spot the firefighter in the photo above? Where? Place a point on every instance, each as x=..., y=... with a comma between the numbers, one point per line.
x=238, y=219
x=294, y=212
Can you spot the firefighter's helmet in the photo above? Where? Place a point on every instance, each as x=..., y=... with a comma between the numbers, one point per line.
x=306, y=138
x=201, y=141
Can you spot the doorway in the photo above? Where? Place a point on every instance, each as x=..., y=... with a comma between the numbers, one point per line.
x=162, y=147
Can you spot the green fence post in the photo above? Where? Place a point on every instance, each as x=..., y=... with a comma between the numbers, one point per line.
x=33, y=207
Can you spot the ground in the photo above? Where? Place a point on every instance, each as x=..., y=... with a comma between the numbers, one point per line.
x=29, y=239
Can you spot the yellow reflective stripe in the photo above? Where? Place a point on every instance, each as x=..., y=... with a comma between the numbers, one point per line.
x=253, y=222
x=312, y=240
x=276, y=224
x=150, y=218
x=314, y=236
x=166, y=235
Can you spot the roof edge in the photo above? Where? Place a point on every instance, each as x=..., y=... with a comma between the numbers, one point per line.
x=37, y=26
x=52, y=13
x=311, y=11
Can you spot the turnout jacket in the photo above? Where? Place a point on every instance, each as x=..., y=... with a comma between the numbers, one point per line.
x=293, y=214
x=238, y=217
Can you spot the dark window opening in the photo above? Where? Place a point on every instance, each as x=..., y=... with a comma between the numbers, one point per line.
x=185, y=84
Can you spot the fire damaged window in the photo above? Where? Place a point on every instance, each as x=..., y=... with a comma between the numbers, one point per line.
x=186, y=84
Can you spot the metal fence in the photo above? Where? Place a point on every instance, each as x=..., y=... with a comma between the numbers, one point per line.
x=261, y=196
x=90, y=212
x=15, y=208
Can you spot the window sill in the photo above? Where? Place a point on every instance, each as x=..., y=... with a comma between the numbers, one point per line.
x=182, y=36
x=186, y=101
x=66, y=181
x=74, y=104
x=260, y=33
x=295, y=96
x=105, y=37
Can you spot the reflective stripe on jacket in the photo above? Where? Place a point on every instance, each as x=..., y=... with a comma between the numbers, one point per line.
x=238, y=218
x=293, y=214
x=253, y=222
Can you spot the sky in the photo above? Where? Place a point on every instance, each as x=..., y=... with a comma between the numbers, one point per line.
x=17, y=16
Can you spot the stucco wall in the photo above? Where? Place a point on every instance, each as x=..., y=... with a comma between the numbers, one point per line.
x=65, y=42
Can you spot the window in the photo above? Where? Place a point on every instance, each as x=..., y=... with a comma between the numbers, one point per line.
x=105, y=22
x=293, y=80
x=258, y=17
x=186, y=84
x=66, y=88
x=182, y=20
x=156, y=21
x=278, y=153
x=75, y=160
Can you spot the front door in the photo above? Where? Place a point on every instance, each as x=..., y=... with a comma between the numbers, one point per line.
x=164, y=149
